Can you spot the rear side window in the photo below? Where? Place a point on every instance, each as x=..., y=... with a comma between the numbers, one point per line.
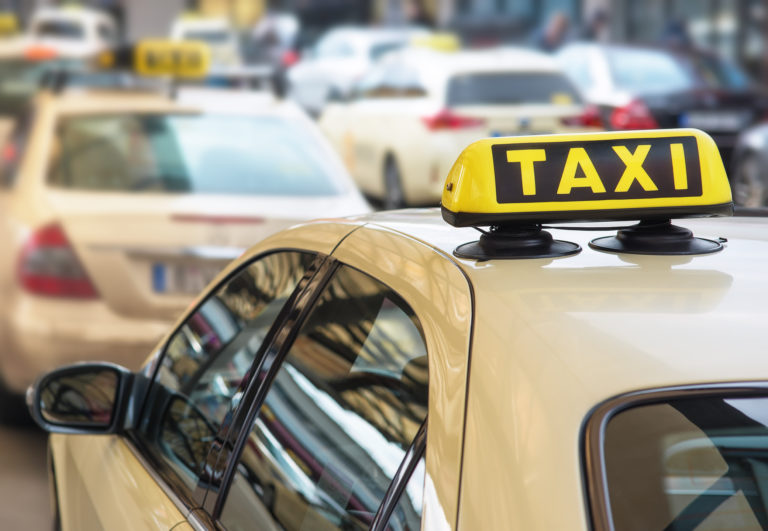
x=695, y=463
x=341, y=412
x=648, y=71
x=512, y=88
x=195, y=153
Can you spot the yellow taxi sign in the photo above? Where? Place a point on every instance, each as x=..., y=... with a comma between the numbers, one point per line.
x=442, y=42
x=9, y=24
x=626, y=175
x=184, y=59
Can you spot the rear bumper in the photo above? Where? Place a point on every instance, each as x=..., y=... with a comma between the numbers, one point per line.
x=40, y=334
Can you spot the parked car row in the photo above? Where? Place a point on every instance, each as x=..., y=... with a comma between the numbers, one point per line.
x=432, y=99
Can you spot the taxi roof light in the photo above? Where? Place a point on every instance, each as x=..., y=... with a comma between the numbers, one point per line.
x=516, y=184
x=159, y=58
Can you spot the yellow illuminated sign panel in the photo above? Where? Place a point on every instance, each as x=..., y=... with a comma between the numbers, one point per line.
x=626, y=175
x=9, y=24
x=184, y=59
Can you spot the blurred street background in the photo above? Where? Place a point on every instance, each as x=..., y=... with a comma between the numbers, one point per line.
x=122, y=207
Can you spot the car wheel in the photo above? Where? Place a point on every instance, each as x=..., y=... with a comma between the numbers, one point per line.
x=393, y=187
x=749, y=182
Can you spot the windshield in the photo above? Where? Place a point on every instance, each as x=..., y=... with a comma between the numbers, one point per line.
x=209, y=36
x=718, y=73
x=692, y=463
x=510, y=88
x=62, y=29
x=648, y=71
x=208, y=154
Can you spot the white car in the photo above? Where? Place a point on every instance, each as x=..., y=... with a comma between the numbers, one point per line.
x=72, y=31
x=216, y=32
x=118, y=206
x=417, y=108
x=339, y=59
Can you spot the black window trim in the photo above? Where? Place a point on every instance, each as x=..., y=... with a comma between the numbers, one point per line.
x=413, y=455
x=415, y=451
x=597, y=498
x=165, y=476
x=256, y=391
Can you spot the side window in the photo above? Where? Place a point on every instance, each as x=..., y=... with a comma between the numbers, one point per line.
x=341, y=412
x=208, y=361
x=13, y=135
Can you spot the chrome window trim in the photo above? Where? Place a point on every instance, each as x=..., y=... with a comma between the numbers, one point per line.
x=593, y=435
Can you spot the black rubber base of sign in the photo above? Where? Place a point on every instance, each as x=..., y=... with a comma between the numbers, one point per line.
x=656, y=238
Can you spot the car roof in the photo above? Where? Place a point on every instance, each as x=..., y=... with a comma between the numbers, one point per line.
x=94, y=100
x=445, y=64
x=70, y=13
x=366, y=35
x=236, y=101
x=619, y=322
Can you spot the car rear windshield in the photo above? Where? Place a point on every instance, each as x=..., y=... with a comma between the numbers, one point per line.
x=648, y=71
x=197, y=153
x=61, y=29
x=510, y=88
x=693, y=463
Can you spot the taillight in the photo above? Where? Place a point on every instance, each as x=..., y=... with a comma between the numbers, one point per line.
x=40, y=53
x=289, y=58
x=447, y=119
x=634, y=115
x=49, y=266
x=590, y=117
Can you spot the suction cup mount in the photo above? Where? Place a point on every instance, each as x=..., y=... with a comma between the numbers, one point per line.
x=515, y=242
x=658, y=237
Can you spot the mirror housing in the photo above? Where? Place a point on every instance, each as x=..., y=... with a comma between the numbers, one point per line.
x=82, y=398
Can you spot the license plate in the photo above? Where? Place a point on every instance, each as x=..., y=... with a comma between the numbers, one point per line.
x=187, y=279
x=715, y=120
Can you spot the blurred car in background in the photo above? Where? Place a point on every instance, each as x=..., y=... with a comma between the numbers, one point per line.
x=648, y=88
x=339, y=59
x=117, y=207
x=217, y=32
x=72, y=30
x=411, y=115
x=749, y=170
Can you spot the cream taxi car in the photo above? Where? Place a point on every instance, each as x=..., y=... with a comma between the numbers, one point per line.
x=417, y=108
x=117, y=206
x=72, y=30
x=394, y=371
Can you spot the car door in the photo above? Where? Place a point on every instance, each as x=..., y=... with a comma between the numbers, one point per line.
x=336, y=433
x=162, y=467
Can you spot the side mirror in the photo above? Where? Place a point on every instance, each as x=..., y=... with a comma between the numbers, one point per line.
x=81, y=398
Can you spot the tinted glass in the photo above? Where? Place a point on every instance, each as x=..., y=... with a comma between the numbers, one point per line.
x=342, y=410
x=718, y=73
x=206, y=153
x=208, y=361
x=60, y=29
x=85, y=398
x=698, y=463
x=510, y=89
x=648, y=71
